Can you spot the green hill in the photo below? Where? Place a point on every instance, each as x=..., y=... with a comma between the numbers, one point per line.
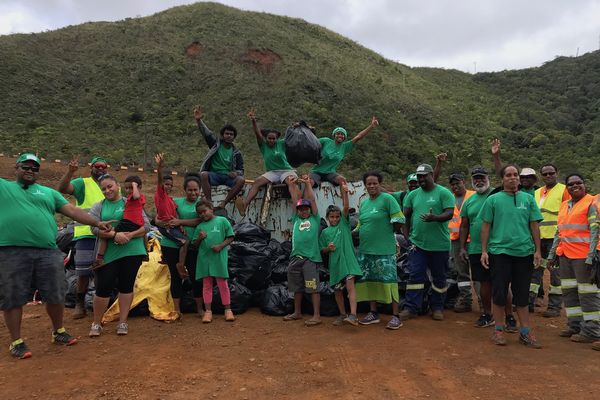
x=126, y=89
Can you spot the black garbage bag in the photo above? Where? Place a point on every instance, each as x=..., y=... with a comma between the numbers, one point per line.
x=71, y=295
x=64, y=237
x=301, y=145
x=279, y=271
x=141, y=310
x=248, y=233
x=329, y=307
x=241, y=297
x=276, y=300
x=250, y=264
x=286, y=247
x=187, y=304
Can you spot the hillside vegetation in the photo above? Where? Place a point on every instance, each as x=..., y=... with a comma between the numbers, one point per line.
x=126, y=89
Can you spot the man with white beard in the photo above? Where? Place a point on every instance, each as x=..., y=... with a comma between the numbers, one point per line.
x=471, y=251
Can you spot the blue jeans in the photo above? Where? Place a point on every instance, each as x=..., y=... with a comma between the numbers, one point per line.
x=216, y=179
x=419, y=261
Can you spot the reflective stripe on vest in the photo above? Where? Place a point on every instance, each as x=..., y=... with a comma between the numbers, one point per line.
x=454, y=224
x=573, y=228
x=549, y=206
x=92, y=195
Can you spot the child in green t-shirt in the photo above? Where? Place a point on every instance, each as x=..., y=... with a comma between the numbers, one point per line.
x=303, y=274
x=336, y=241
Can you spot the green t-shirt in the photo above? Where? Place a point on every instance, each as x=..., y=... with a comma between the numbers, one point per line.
x=332, y=155
x=113, y=210
x=27, y=216
x=274, y=157
x=185, y=210
x=342, y=261
x=528, y=191
x=78, y=189
x=429, y=236
x=376, y=224
x=400, y=196
x=509, y=217
x=305, y=237
x=208, y=262
x=221, y=161
x=470, y=209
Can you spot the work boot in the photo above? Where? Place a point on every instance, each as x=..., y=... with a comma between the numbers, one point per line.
x=551, y=313
x=568, y=332
x=406, y=314
x=596, y=345
x=581, y=338
x=437, y=315
x=80, y=311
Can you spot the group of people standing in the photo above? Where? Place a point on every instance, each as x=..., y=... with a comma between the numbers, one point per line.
x=496, y=238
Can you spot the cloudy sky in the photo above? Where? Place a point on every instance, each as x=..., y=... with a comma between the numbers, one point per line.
x=486, y=35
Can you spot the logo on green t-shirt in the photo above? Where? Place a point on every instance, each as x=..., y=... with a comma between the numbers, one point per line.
x=304, y=226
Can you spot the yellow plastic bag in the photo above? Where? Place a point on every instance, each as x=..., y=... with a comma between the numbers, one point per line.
x=153, y=283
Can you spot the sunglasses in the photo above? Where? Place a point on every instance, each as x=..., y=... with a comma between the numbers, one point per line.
x=548, y=173
x=574, y=183
x=100, y=165
x=29, y=168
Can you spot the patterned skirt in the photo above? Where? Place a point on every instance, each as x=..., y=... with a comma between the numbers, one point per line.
x=380, y=279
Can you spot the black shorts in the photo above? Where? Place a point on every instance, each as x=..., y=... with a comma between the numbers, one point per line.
x=478, y=272
x=514, y=272
x=126, y=225
x=318, y=178
x=302, y=275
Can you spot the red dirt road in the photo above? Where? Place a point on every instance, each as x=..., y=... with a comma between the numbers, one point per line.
x=263, y=357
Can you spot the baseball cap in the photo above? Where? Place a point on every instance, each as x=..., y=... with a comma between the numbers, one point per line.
x=98, y=159
x=28, y=157
x=479, y=171
x=457, y=176
x=341, y=130
x=411, y=178
x=527, y=172
x=424, y=169
x=303, y=203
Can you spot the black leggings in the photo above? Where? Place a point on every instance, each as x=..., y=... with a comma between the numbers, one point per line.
x=120, y=273
x=171, y=257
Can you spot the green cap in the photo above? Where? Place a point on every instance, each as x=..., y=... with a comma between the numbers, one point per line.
x=411, y=177
x=97, y=159
x=424, y=169
x=28, y=157
x=341, y=130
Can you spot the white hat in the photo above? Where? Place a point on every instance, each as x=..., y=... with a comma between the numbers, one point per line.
x=527, y=172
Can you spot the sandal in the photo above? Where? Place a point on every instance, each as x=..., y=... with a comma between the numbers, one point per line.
x=312, y=322
x=292, y=317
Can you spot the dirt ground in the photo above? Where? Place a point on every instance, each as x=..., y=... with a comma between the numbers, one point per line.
x=262, y=357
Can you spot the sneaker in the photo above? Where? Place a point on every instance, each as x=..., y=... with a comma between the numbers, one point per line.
x=498, y=338
x=395, y=323
x=61, y=336
x=406, y=314
x=207, y=317
x=568, y=332
x=484, y=321
x=437, y=315
x=339, y=321
x=551, y=313
x=581, y=338
x=529, y=341
x=80, y=311
x=95, y=330
x=511, y=324
x=229, y=317
x=122, y=329
x=351, y=319
x=596, y=345
x=370, y=318
x=19, y=349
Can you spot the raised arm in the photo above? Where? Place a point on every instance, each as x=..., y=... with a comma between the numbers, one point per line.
x=159, y=158
x=496, y=156
x=135, y=192
x=309, y=194
x=207, y=134
x=374, y=123
x=439, y=160
x=259, y=137
x=345, y=200
x=295, y=193
x=65, y=185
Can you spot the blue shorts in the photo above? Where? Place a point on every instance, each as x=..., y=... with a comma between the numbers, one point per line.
x=216, y=179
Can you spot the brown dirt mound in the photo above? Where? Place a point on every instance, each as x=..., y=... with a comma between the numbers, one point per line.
x=263, y=60
x=194, y=49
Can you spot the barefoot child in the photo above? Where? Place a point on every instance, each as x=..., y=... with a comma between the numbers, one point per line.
x=212, y=237
x=133, y=215
x=303, y=276
x=336, y=242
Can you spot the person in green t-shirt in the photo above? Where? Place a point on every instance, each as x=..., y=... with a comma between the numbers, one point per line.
x=527, y=176
x=427, y=210
x=333, y=152
x=510, y=248
x=411, y=183
x=379, y=216
x=86, y=192
x=29, y=256
x=303, y=274
x=336, y=242
x=223, y=164
x=272, y=150
x=212, y=237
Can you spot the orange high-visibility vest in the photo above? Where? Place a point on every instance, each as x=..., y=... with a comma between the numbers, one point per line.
x=574, y=229
x=454, y=224
x=597, y=202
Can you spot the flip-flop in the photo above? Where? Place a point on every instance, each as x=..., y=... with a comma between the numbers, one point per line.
x=291, y=317
x=312, y=322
